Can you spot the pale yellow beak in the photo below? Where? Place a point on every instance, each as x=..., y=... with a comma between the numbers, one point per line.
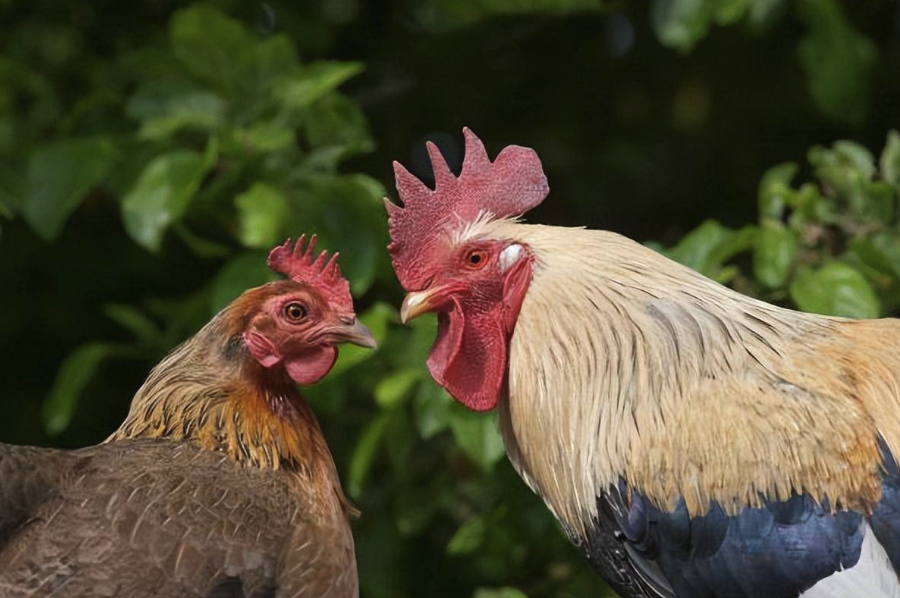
x=418, y=303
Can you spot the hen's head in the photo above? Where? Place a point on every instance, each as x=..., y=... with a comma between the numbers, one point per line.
x=296, y=324
x=476, y=283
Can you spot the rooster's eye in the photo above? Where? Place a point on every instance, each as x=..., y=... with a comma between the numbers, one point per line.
x=476, y=258
x=294, y=311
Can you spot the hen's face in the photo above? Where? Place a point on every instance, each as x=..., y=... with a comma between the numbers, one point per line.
x=477, y=292
x=295, y=327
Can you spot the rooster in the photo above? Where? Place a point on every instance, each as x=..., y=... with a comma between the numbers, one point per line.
x=691, y=441
x=218, y=483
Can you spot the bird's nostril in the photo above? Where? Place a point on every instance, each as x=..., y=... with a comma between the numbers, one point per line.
x=348, y=320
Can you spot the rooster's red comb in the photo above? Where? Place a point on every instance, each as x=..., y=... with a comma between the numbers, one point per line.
x=322, y=273
x=509, y=186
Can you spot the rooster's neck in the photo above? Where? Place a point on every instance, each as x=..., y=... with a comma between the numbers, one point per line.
x=627, y=366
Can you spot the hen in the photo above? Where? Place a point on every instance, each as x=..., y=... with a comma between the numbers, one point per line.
x=219, y=482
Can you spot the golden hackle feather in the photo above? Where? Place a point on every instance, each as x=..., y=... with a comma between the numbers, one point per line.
x=209, y=391
x=626, y=365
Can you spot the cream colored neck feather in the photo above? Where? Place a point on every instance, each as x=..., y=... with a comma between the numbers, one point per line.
x=626, y=365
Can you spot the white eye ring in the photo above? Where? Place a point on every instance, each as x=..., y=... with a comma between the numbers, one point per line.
x=509, y=256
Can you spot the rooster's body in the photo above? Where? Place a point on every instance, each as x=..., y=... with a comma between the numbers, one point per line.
x=693, y=442
x=219, y=482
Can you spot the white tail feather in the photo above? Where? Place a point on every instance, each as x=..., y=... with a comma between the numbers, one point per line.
x=871, y=577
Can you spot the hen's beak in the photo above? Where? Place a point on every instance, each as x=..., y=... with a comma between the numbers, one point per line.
x=355, y=333
x=418, y=303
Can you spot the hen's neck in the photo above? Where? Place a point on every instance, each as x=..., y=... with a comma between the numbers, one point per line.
x=211, y=392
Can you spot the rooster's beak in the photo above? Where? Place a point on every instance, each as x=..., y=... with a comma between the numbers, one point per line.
x=418, y=303
x=355, y=332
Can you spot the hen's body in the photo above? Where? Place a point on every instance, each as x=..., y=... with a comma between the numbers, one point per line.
x=159, y=518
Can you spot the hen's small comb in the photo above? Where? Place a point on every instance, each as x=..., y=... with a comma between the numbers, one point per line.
x=509, y=186
x=320, y=272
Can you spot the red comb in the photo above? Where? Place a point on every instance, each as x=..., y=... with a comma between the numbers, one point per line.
x=509, y=186
x=322, y=273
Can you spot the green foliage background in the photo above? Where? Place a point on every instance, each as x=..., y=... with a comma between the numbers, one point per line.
x=151, y=154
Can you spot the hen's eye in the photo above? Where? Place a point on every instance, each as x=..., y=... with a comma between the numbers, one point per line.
x=476, y=258
x=294, y=311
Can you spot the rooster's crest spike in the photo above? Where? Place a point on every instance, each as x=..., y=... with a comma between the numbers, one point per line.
x=509, y=186
x=323, y=272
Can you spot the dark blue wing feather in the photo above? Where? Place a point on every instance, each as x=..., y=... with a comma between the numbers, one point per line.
x=775, y=551
x=885, y=519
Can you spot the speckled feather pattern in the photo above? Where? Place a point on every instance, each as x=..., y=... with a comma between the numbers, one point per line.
x=158, y=518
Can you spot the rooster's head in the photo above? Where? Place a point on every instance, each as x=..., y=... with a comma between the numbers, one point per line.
x=475, y=282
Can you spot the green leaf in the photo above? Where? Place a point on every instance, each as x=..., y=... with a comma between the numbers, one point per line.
x=848, y=168
x=399, y=439
x=468, y=537
x=774, y=251
x=72, y=378
x=317, y=80
x=164, y=108
x=709, y=245
x=890, y=161
x=695, y=247
x=346, y=212
x=376, y=318
x=262, y=212
x=839, y=62
x=201, y=247
x=498, y=593
x=731, y=11
x=478, y=437
x=337, y=122
x=443, y=15
x=774, y=190
x=144, y=329
x=764, y=12
x=213, y=47
x=243, y=272
x=835, y=289
x=59, y=176
x=396, y=387
x=880, y=251
x=266, y=136
x=681, y=23
x=364, y=453
x=416, y=507
x=162, y=193
x=433, y=409
x=219, y=51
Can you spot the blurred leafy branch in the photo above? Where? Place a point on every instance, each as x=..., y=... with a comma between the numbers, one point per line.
x=838, y=61
x=223, y=142
x=830, y=246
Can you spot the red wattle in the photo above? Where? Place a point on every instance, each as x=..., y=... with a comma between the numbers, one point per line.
x=469, y=358
x=311, y=366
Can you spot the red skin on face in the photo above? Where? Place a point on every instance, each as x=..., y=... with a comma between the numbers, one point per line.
x=298, y=346
x=476, y=318
x=477, y=308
